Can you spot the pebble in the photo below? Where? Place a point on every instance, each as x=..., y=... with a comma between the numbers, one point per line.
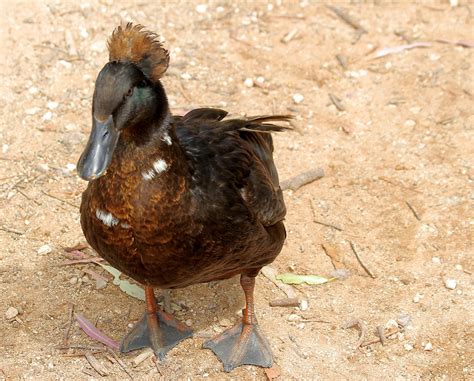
x=70, y=167
x=293, y=317
x=298, y=98
x=5, y=148
x=201, y=8
x=45, y=249
x=248, y=82
x=32, y=110
x=260, y=80
x=11, y=313
x=459, y=267
x=428, y=346
x=65, y=64
x=435, y=260
x=408, y=346
x=417, y=298
x=33, y=90
x=43, y=167
x=404, y=320
x=303, y=305
x=225, y=323
x=73, y=280
x=52, y=105
x=186, y=76
x=188, y=322
x=415, y=110
x=450, y=283
x=47, y=116
x=410, y=123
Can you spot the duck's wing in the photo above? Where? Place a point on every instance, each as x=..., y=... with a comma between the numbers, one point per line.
x=215, y=114
x=262, y=190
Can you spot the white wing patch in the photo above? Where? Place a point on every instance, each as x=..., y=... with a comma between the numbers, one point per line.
x=159, y=166
x=107, y=218
x=166, y=138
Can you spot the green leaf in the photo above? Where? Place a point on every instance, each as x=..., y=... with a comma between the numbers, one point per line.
x=127, y=287
x=289, y=278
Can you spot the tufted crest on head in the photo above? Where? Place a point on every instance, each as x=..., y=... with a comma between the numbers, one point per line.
x=132, y=43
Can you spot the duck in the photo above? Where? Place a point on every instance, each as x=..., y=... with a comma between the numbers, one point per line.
x=174, y=201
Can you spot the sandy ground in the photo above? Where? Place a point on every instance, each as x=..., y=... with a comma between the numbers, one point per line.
x=398, y=158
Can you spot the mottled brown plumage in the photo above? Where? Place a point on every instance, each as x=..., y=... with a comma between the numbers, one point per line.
x=175, y=201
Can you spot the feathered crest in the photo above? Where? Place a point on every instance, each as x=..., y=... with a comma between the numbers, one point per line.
x=131, y=43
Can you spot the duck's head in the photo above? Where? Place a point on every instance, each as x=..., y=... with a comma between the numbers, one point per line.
x=127, y=94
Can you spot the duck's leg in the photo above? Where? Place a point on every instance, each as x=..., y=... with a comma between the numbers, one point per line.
x=244, y=343
x=157, y=330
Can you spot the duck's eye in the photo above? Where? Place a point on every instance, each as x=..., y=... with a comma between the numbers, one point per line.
x=129, y=92
x=143, y=83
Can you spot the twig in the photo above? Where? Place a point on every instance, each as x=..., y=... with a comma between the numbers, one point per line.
x=381, y=334
x=360, y=30
x=360, y=261
x=8, y=230
x=316, y=321
x=83, y=347
x=290, y=36
x=155, y=360
x=304, y=178
x=27, y=197
x=68, y=329
x=120, y=362
x=377, y=340
x=398, y=185
x=359, y=324
x=270, y=273
x=337, y=102
x=142, y=357
x=413, y=211
x=59, y=199
x=98, y=367
x=327, y=224
x=286, y=302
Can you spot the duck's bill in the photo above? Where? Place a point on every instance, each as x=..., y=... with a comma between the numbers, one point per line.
x=97, y=155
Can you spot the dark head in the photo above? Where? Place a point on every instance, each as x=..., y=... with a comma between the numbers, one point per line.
x=128, y=96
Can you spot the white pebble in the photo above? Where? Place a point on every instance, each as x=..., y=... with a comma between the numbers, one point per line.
x=5, y=148
x=417, y=298
x=303, y=305
x=70, y=167
x=298, y=98
x=435, y=260
x=458, y=267
x=33, y=90
x=188, y=322
x=408, y=346
x=32, y=110
x=47, y=116
x=248, y=82
x=293, y=317
x=260, y=80
x=450, y=283
x=428, y=346
x=201, y=8
x=185, y=76
x=52, y=105
x=65, y=64
x=83, y=32
x=11, y=313
x=415, y=110
x=410, y=123
x=45, y=249
x=73, y=280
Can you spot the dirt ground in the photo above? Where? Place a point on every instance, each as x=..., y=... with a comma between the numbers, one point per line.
x=398, y=160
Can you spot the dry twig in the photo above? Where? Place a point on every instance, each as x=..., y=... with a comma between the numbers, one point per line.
x=377, y=340
x=304, y=178
x=344, y=16
x=8, y=230
x=413, y=211
x=59, y=199
x=98, y=367
x=359, y=324
x=337, y=102
x=68, y=329
x=360, y=261
x=120, y=362
x=285, y=302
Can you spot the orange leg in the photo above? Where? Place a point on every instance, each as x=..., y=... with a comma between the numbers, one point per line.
x=244, y=343
x=157, y=330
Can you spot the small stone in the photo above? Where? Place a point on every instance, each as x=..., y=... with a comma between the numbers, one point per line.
x=5, y=148
x=52, y=105
x=11, y=313
x=85, y=279
x=83, y=32
x=417, y=298
x=70, y=167
x=450, y=284
x=188, y=322
x=65, y=64
x=415, y=110
x=100, y=284
x=217, y=329
x=73, y=280
x=33, y=90
x=260, y=80
x=404, y=320
x=186, y=76
x=293, y=317
x=303, y=305
x=225, y=323
x=45, y=249
x=47, y=116
x=300, y=325
x=248, y=82
x=410, y=123
x=42, y=167
x=408, y=346
x=391, y=324
x=201, y=8
x=298, y=98
x=435, y=260
x=32, y=110
x=458, y=267
x=428, y=346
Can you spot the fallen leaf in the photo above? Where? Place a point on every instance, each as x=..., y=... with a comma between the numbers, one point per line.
x=95, y=334
x=400, y=48
x=289, y=278
x=127, y=287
